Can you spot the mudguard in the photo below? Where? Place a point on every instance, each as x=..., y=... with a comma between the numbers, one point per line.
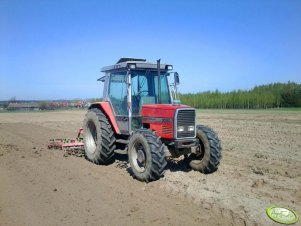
x=106, y=108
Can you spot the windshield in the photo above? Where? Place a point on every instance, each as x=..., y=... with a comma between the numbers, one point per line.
x=145, y=91
x=145, y=86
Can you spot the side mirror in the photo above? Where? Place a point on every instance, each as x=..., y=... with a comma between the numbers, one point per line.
x=177, y=79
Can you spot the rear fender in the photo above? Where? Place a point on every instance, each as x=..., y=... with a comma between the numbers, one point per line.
x=107, y=110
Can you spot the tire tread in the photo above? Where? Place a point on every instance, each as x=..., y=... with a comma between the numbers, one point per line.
x=106, y=151
x=158, y=156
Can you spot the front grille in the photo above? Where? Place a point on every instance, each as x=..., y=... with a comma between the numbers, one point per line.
x=185, y=118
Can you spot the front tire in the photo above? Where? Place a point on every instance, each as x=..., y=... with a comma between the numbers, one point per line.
x=209, y=152
x=146, y=155
x=99, y=139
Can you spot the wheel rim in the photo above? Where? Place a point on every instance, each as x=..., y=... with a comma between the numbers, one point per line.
x=138, y=157
x=198, y=155
x=200, y=152
x=91, y=137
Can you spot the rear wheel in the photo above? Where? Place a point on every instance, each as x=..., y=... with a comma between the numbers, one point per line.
x=208, y=153
x=99, y=139
x=146, y=155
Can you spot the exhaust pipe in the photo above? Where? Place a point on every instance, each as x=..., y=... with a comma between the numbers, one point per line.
x=159, y=82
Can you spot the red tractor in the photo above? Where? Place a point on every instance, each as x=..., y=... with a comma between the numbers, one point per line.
x=139, y=114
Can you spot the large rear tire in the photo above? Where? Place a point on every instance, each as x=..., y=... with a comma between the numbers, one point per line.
x=146, y=155
x=209, y=152
x=99, y=139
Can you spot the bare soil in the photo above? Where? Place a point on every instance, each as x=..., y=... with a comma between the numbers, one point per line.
x=261, y=166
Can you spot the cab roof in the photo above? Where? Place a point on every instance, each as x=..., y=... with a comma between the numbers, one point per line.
x=135, y=63
x=125, y=59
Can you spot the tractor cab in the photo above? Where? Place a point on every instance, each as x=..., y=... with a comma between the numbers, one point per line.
x=132, y=83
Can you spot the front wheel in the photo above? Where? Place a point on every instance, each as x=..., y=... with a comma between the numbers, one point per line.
x=208, y=154
x=146, y=155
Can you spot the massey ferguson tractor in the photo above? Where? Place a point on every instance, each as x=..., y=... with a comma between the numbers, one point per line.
x=140, y=115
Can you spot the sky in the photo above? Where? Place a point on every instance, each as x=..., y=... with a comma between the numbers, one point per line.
x=54, y=49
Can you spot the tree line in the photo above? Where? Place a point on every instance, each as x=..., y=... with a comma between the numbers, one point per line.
x=275, y=95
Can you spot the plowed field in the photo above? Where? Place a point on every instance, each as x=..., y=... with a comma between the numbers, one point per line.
x=261, y=166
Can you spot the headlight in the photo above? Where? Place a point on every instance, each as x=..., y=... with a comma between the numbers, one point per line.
x=180, y=128
x=190, y=128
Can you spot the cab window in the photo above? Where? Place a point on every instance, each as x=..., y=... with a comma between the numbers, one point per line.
x=118, y=93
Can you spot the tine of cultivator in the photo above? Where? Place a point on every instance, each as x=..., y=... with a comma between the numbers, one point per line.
x=70, y=146
x=80, y=132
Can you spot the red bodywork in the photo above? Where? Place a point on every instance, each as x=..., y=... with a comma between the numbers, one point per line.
x=160, y=118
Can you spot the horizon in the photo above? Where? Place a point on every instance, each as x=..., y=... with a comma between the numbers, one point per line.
x=14, y=98
x=54, y=50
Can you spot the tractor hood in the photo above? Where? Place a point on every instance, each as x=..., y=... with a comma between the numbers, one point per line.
x=161, y=118
x=164, y=106
x=160, y=110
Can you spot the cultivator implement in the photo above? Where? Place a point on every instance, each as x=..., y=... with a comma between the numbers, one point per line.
x=70, y=146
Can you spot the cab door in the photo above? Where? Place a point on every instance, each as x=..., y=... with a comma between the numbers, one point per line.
x=118, y=98
x=142, y=93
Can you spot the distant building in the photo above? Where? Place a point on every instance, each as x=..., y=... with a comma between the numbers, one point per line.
x=23, y=106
